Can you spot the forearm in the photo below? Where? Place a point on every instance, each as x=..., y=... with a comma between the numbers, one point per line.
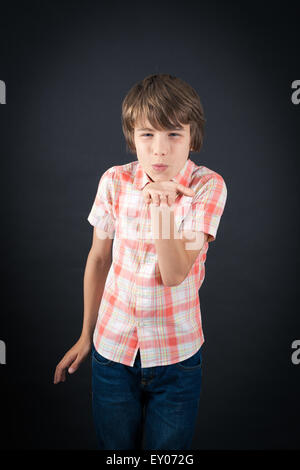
x=173, y=260
x=93, y=286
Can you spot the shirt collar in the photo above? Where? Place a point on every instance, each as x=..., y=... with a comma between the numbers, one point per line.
x=183, y=177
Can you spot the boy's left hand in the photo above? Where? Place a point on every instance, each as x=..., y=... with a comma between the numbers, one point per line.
x=164, y=193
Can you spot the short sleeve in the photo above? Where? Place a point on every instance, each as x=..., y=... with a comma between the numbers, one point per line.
x=102, y=214
x=207, y=207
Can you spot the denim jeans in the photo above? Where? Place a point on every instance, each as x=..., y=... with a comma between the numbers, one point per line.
x=145, y=408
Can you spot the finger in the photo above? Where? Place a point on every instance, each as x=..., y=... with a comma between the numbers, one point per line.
x=75, y=365
x=147, y=198
x=59, y=375
x=163, y=200
x=155, y=199
x=61, y=372
x=184, y=190
x=55, y=376
x=171, y=199
x=145, y=194
x=62, y=365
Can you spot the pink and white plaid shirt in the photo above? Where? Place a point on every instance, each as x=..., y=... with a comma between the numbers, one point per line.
x=137, y=310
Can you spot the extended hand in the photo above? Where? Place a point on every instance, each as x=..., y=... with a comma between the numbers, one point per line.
x=165, y=192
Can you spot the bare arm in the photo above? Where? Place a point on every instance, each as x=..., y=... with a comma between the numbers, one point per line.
x=95, y=275
x=97, y=266
x=176, y=256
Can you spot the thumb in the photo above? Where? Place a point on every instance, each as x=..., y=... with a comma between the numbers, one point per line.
x=74, y=366
x=185, y=190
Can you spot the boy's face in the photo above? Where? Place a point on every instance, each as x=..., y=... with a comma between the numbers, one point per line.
x=167, y=147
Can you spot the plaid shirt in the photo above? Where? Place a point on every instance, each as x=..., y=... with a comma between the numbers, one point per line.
x=137, y=310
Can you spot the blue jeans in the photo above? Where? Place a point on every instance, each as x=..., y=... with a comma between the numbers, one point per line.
x=145, y=408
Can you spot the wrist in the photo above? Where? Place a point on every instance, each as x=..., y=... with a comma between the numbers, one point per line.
x=86, y=336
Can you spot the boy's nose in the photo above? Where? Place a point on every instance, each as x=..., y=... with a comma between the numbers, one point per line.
x=160, y=147
x=160, y=153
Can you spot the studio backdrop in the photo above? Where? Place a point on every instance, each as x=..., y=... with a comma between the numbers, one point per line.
x=65, y=68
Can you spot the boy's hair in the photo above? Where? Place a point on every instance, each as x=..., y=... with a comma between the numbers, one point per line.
x=167, y=102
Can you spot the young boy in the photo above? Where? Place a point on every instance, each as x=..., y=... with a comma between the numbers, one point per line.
x=142, y=315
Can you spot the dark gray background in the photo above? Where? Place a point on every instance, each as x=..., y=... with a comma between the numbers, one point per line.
x=67, y=67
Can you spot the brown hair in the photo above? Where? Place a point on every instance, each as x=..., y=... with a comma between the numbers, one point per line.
x=167, y=102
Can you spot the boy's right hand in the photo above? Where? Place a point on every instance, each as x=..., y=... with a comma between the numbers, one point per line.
x=74, y=357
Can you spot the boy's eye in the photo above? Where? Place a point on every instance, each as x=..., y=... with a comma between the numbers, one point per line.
x=172, y=133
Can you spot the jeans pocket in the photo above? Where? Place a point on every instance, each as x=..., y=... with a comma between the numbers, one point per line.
x=100, y=359
x=191, y=363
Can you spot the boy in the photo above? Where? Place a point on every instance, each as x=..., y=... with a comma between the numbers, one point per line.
x=146, y=336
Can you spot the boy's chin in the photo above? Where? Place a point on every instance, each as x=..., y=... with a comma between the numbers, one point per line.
x=158, y=178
